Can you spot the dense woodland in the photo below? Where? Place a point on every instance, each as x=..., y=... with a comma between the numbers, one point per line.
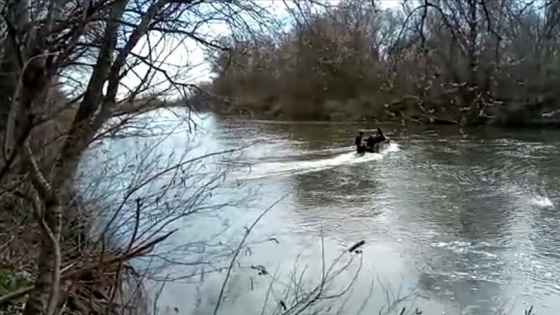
x=75, y=75
x=437, y=61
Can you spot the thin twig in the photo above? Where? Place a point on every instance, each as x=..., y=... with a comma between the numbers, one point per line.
x=238, y=250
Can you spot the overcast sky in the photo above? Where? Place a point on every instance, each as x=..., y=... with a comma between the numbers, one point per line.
x=189, y=56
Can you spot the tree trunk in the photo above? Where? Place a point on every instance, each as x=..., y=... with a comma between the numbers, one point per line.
x=10, y=64
x=37, y=303
x=67, y=163
x=472, y=81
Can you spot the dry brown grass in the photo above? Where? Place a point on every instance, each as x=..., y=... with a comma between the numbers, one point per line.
x=95, y=290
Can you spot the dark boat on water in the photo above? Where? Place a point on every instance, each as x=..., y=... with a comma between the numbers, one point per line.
x=378, y=147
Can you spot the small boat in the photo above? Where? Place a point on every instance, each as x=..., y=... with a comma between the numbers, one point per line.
x=378, y=147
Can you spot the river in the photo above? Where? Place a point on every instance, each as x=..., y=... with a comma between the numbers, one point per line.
x=458, y=223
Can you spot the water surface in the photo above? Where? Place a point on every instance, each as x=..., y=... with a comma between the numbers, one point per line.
x=467, y=222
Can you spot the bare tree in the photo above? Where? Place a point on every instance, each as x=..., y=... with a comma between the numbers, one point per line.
x=50, y=119
x=443, y=61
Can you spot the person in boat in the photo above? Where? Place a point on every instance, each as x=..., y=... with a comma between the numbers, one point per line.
x=380, y=137
x=360, y=147
x=374, y=141
x=370, y=144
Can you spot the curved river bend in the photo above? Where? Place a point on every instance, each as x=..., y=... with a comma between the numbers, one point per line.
x=469, y=224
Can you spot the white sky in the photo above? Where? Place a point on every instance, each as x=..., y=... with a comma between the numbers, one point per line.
x=188, y=57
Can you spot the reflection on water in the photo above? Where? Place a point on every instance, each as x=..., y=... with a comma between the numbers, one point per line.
x=470, y=222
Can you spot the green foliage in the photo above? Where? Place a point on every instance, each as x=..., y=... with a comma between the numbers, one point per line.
x=10, y=281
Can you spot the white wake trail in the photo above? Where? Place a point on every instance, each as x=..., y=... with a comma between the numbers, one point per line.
x=301, y=167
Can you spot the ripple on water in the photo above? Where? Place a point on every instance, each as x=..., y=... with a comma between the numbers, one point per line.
x=476, y=219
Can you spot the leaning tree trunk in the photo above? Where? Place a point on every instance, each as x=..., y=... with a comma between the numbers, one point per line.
x=11, y=63
x=46, y=199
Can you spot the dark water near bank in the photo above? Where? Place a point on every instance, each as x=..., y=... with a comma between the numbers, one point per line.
x=465, y=224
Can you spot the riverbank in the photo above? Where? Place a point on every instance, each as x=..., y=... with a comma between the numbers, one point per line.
x=364, y=111
x=94, y=278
